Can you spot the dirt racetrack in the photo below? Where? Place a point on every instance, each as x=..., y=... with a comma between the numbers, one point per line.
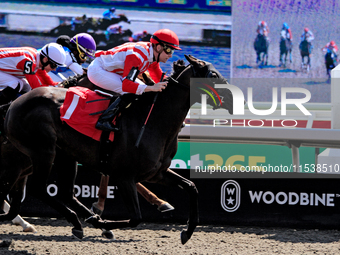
x=54, y=238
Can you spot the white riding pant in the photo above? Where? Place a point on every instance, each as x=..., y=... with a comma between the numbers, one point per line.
x=105, y=79
x=7, y=80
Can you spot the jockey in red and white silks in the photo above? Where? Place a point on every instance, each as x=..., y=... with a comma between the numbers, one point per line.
x=23, y=66
x=117, y=69
x=110, y=68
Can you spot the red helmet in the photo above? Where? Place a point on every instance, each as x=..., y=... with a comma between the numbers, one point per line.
x=263, y=23
x=145, y=32
x=306, y=29
x=167, y=37
x=332, y=43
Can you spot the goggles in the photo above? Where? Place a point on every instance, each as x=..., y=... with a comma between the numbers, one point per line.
x=168, y=50
x=52, y=65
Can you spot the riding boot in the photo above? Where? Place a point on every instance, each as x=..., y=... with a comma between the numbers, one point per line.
x=105, y=120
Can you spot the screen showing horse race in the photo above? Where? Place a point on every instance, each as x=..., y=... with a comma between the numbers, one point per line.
x=295, y=40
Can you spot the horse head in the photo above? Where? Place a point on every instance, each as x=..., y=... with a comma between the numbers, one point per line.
x=123, y=18
x=219, y=97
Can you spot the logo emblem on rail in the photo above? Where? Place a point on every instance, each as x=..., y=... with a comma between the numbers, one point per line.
x=230, y=196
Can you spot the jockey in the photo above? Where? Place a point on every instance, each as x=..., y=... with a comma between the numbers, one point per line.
x=262, y=29
x=138, y=36
x=77, y=50
x=307, y=35
x=113, y=29
x=77, y=21
x=25, y=68
x=331, y=46
x=110, y=14
x=117, y=69
x=286, y=33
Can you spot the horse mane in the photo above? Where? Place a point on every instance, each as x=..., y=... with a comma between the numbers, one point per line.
x=177, y=68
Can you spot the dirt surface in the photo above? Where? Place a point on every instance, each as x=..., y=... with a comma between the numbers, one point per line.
x=54, y=237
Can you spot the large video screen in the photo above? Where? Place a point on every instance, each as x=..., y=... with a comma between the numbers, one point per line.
x=318, y=17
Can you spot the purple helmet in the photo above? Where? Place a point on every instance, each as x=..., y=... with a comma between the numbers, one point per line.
x=112, y=9
x=85, y=44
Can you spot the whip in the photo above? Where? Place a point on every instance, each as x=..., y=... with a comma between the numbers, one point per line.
x=147, y=118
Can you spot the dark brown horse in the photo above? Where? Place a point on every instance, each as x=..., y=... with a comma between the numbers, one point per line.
x=33, y=126
x=9, y=156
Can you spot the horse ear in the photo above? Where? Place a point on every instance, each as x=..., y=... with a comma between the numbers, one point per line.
x=191, y=59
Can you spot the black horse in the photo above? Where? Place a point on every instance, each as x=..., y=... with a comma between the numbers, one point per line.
x=261, y=45
x=330, y=62
x=285, y=50
x=16, y=167
x=305, y=51
x=88, y=25
x=66, y=169
x=34, y=127
x=103, y=24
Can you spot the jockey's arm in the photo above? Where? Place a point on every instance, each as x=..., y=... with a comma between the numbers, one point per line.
x=76, y=68
x=132, y=63
x=155, y=71
x=39, y=79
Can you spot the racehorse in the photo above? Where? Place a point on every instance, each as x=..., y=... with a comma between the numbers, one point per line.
x=330, y=62
x=285, y=49
x=103, y=24
x=261, y=45
x=89, y=25
x=65, y=193
x=305, y=51
x=33, y=126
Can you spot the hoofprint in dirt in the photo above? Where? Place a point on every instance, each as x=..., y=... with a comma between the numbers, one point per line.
x=54, y=238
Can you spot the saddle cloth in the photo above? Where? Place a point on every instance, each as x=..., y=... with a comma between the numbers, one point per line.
x=79, y=108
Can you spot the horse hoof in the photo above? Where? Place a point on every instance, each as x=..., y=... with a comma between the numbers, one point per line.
x=184, y=237
x=30, y=228
x=165, y=207
x=108, y=234
x=93, y=219
x=79, y=234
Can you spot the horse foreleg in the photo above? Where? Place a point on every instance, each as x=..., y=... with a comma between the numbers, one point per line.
x=42, y=161
x=163, y=206
x=26, y=226
x=15, y=196
x=129, y=193
x=174, y=179
x=67, y=172
x=98, y=207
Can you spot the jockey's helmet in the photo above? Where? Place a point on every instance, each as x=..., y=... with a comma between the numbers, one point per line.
x=145, y=32
x=285, y=25
x=332, y=43
x=306, y=29
x=112, y=9
x=55, y=54
x=85, y=45
x=263, y=23
x=167, y=37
